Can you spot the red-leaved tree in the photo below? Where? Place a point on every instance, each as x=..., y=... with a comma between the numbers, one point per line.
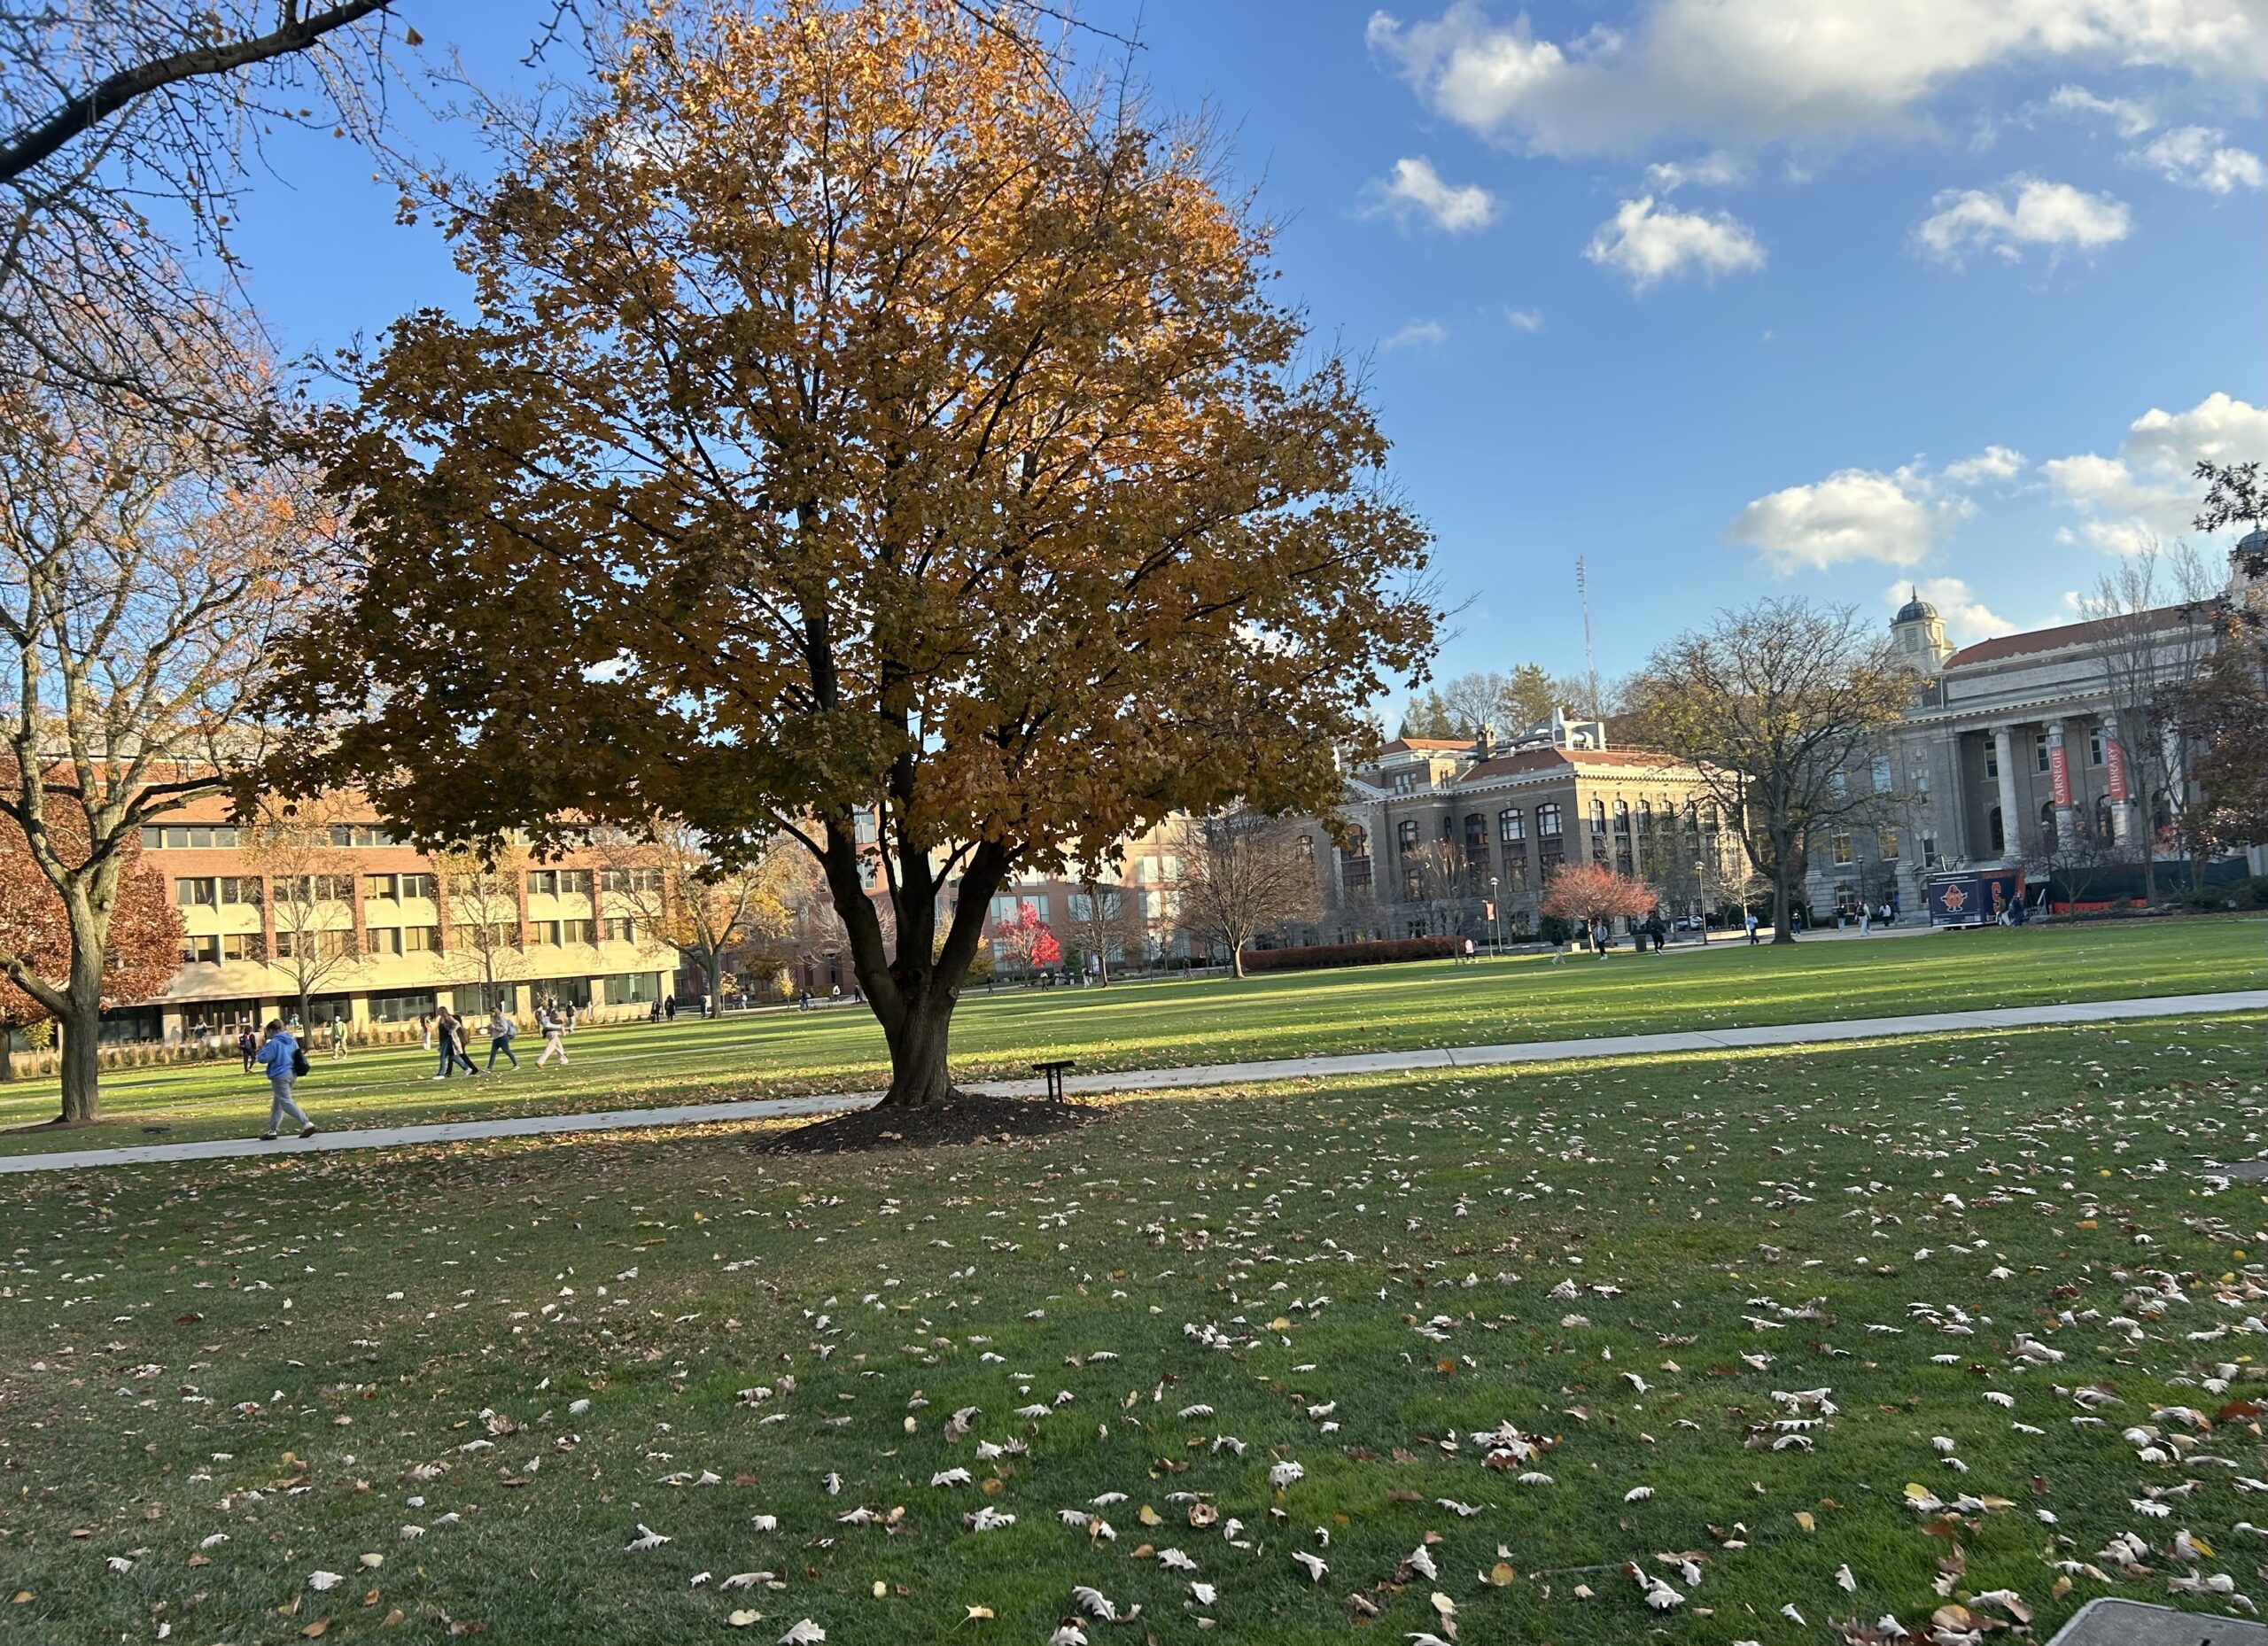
x=144, y=948
x=1026, y=941
x=1590, y=893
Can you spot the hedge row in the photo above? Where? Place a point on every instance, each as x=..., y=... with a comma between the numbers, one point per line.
x=1323, y=954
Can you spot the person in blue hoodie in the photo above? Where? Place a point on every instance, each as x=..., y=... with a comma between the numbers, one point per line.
x=279, y=1057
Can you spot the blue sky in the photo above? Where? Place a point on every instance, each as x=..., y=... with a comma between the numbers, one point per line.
x=1729, y=297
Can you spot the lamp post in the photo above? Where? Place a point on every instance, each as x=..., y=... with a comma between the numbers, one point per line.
x=1495, y=920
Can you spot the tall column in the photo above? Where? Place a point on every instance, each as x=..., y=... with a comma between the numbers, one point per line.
x=2118, y=779
x=2004, y=748
x=2060, y=746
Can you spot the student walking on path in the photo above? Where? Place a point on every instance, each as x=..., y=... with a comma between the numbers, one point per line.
x=337, y=1038
x=555, y=1038
x=501, y=1030
x=448, y=1036
x=281, y=1057
x=248, y=1048
x=1750, y=923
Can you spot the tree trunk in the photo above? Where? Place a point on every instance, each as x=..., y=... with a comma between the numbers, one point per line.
x=7, y=1052
x=1235, y=956
x=81, y=1028
x=918, y=1074
x=1783, y=897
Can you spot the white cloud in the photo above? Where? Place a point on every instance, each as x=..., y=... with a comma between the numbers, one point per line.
x=1418, y=333
x=1417, y=186
x=1751, y=72
x=1855, y=513
x=1716, y=169
x=2145, y=491
x=1994, y=463
x=2129, y=118
x=2023, y=212
x=1651, y=244
x=1525, y=319
x=1966, y=617
x=2195, y=157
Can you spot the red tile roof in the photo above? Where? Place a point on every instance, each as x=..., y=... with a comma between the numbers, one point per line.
x=1544, y=759
x=1412, y=745
x=2063, y=636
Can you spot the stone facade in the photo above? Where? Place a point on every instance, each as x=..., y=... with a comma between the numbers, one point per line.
x=2012, y=744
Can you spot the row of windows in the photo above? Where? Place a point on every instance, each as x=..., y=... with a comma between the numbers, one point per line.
x=228, y=837
x=206, y=891
x=2042, y=758
x=1511, y=824
x=398, y=940
x=1886, y=845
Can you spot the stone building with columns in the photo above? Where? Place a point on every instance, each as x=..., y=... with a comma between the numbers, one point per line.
x=2011, y=745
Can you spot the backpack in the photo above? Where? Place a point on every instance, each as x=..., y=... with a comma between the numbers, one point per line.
x=298, y=1059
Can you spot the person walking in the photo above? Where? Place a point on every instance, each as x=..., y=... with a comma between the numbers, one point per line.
x=571, y=1025
x=1867, y=920
x=337, y=1038
x=669, y=1008
x=1748, y=919
x=425, y=1030
x=555, y=1038
x=502, y=1028
x=1598, y=940
x=280, y=1055
x=248, y=1048
x=448, y=1039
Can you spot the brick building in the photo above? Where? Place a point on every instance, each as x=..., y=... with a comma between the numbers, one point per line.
x=399, y=942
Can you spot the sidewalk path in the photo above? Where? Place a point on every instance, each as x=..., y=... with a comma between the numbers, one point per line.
x=1159, y=1079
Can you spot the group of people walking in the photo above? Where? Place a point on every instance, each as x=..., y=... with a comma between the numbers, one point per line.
x=451, y=1036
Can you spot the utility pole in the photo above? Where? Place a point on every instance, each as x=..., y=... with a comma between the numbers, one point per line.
x=1590, y=664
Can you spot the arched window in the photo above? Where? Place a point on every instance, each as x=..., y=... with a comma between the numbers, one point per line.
x=1547, y=820
x=1407, y=830
x=1511, y=824
x=1598, y=814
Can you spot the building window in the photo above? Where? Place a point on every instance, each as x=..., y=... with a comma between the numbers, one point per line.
x=196, y=894
x=1880, y=767
x=1511, y=824
x=578, y=931
x=417, y=885
x=2039, y=746
x=360, y=834
x=2048, y=823
x=200, y=951
x=1842, y=845
x=1546, y=821
x=1886, y=844
x=240, y=888
x=1622, y=816
x=544, y=933
x=619, y=931
x=1406, y=833
x=240, y=946
x=2105, y=828
x=1997, y=829
x=385, y=940
x=381, y=887
x=420, y=939
x=1413, y=885
x=1840, y=782
x=2094, y=745
x=1598, y=815
x=1992, y=757
x=1928, y=851
x=543, y=883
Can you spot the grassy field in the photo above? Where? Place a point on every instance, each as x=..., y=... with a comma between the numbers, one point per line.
x=1162, y=1024
x=1704, y=1316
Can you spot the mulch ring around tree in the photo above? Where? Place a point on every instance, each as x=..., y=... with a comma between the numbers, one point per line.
x=963, y=1117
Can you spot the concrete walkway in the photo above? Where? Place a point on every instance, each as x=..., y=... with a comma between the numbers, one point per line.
x=1163, y=1079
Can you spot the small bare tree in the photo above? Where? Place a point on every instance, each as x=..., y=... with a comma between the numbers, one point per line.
x=681, y=893
x=1242, y=874
x=1099, y=920
x=481, y=936
x=2154, y=634
x=309, y=936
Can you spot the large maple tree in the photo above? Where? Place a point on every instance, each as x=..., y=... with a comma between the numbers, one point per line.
x=873, y=434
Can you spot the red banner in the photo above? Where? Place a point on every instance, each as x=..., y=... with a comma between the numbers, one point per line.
x=2114, y=754
x=2059, y=773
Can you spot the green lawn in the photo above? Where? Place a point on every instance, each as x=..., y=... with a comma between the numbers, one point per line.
x=1162, y=1024
x=1758, y=1286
